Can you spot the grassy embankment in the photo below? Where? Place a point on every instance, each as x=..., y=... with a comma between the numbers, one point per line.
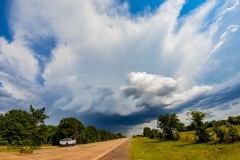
x=185, y=149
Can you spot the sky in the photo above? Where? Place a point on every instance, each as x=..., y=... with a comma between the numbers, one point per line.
x=119, y=64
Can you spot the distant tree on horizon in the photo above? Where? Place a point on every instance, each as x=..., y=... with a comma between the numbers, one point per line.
x=147, y=131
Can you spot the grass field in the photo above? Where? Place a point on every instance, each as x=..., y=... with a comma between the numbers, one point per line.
x=147, y=149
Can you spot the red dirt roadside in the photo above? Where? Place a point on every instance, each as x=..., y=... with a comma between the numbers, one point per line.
x=115, y=150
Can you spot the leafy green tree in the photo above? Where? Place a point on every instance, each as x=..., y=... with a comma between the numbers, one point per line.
x=232, y=133
x=91, y=134
x=1, y=123
x=119, y=135
x=103, y=135
x=19, y=127
x=1, y=117
x=38, y=114
x=219, y=131
x=191, y=127
x=53, y=135
x=181, y=127
x=197, y=117
x=2, y=140
x=40, y=133
x=71, y=128
x=147, y=132
x=169, y=124
x=111, y=136
x=154, y=133
x=234, y=120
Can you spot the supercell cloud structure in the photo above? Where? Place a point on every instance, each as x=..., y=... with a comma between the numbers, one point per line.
x=108, y=67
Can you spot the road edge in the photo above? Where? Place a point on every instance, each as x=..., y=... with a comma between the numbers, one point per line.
x=105, y=153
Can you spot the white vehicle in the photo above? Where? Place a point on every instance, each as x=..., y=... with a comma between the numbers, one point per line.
x=68, y=142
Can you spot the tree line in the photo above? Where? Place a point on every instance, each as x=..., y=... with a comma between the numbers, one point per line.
x=169, y=127
x=21, y=128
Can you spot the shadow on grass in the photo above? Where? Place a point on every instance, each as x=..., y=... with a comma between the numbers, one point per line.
x=185, y=144
x=211, y=143
x=188, y=144
x=222, y=143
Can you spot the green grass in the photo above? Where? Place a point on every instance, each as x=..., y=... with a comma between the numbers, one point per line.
x=5, y=149
x=147, y=149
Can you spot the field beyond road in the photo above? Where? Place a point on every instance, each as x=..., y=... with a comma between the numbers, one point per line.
x=148, y=149
x=93, y=151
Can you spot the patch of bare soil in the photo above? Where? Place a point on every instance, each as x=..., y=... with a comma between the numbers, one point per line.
x=122, y=152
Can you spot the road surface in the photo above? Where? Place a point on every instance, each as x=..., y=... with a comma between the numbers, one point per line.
x=93, y=151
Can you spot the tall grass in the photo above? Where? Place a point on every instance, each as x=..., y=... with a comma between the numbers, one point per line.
x=187, y=136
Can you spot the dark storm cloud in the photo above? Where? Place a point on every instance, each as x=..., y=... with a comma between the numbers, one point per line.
x=220, y=97
x=114, y=121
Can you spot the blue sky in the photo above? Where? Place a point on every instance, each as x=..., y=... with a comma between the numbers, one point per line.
x=138, y=7
x=5, y=31
x=118, y=65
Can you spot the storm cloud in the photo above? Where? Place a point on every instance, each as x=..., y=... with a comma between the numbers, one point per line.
x=114, y=69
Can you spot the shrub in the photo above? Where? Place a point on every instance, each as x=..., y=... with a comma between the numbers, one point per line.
x=220, y=132
x=232, y=133
x=202, y=135
x=176, y=136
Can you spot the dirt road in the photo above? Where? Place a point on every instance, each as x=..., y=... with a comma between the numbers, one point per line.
x=92, y=151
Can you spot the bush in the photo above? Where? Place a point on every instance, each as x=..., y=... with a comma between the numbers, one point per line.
x=232, y=133
x=220, y=132
x=26, y=150
x=160, y=135
x=176, y=136
x=3, y=143
x=202, y=135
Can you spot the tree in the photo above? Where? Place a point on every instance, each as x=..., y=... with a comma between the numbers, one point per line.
x=1, y=123
x=38, y=114
x=40, y=133
x=234, y=120
x=53, y=135
x=219, y=130
x=147, y=132
x=119, y=135
x=19, y=127
x=169, y=124
x=181, y=127
x=154, y=133
x=197, y=117
x=103, y=135
x=71, y=128
x=91, y=134
x=232, y=133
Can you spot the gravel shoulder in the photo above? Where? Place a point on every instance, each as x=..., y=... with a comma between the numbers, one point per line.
x=122, y=152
